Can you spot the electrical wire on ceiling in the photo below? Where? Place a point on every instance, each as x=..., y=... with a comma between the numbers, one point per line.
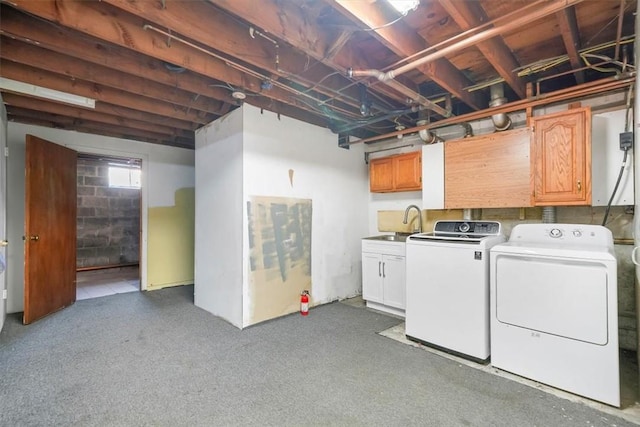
x=388, y=24
x=383, y=106
x=543, y=65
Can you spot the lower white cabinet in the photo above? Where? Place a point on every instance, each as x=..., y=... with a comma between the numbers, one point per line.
x=383, y=276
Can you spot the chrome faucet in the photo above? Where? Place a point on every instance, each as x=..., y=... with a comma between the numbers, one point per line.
x=406, y=215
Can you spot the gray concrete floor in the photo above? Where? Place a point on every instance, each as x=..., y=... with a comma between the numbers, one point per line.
x=630, y=410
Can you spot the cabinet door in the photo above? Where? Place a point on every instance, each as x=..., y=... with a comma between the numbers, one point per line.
x=488, y=171
x=372, y=277
x=381, y=175
x=562, y=158
x=407, y=170
x=393, y=276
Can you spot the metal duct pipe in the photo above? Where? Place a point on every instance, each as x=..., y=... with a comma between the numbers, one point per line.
x=426, y=135
x=549, y=215
x=500, y=121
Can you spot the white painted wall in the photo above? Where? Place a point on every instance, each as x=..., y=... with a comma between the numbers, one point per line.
x=248, y=153
x=164, y=170
x=335, y=179
x=219, y=218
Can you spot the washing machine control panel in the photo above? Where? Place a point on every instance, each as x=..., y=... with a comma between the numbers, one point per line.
x=576, y=234
x=469, y=227
x=555, y=233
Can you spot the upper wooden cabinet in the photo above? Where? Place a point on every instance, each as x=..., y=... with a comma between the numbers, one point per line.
x=402, y=172
x=561, y=155
x=488, y=171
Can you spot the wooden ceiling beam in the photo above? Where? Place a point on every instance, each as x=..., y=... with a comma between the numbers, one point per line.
x=16, y=24
x=26, y=54
x=97, y=52
x=404, y=41
x=39, y=104
x=285, y=21
x=196, y=20
x=106, y=23
x=470, y=15
x=39, y=77
x=46, y=119
x=568, y=24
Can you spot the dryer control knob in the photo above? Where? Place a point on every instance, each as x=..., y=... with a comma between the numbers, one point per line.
x=555, y=233
x=577, y=233
x=464, y=227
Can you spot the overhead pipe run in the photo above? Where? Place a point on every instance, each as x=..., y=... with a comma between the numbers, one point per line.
x=358, y=124
x=546, y=8
x=404, y=90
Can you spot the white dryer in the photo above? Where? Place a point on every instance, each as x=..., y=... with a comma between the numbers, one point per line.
x=554, y=308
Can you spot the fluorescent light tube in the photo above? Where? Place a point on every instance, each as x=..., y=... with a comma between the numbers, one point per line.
x=404, y=6
x=43, y=92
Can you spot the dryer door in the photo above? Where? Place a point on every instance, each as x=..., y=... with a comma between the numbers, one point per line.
x=563, y=297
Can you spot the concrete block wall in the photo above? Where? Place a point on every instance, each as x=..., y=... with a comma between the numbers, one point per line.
x=108, y=226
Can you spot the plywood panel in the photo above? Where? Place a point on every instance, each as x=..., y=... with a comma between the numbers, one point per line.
x=488, y=171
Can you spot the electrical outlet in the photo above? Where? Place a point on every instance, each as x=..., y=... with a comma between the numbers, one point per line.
x=626, y=141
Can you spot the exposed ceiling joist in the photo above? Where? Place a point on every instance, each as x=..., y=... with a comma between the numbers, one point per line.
x=471, y=15
x=568, y=24
x=405, y=42
x=160, y=69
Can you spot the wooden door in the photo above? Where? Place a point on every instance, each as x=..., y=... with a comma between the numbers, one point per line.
x=562, y=158
x=50, y=227
x=407, y=171
x=381, y=175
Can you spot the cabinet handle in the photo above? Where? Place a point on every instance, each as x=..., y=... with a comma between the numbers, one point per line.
x=579, y=185
x=379, y=273
x=383, y=274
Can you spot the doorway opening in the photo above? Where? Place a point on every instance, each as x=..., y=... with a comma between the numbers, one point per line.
x=108, y=225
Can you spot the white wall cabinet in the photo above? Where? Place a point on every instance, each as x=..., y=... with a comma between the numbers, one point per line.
x=433, y=176
x=383, y=276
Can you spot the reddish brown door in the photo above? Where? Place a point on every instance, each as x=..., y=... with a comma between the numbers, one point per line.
x=50, y=226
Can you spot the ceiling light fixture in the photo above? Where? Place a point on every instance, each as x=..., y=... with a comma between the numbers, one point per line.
x=404, y=6
x=46, y=93
x=238, y=95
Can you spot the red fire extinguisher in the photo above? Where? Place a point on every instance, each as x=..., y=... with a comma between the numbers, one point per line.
x=304, y=303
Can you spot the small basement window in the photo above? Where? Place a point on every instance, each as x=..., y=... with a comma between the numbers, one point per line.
x=124, y=177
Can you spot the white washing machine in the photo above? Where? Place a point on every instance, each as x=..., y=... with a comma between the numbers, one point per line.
x=447, y=276
x=554, y=308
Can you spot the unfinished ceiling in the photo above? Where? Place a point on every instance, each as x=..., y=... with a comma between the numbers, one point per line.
x=160, y=69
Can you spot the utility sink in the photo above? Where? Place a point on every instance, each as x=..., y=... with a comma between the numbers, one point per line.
x=390, y=237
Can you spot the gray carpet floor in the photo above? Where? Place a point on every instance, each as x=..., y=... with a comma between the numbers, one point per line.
x=155, y=359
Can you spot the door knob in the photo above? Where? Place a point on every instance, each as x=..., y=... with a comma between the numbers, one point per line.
x=4, y=243
x=35, y=237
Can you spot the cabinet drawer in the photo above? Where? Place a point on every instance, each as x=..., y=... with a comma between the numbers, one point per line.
x=387, y=248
